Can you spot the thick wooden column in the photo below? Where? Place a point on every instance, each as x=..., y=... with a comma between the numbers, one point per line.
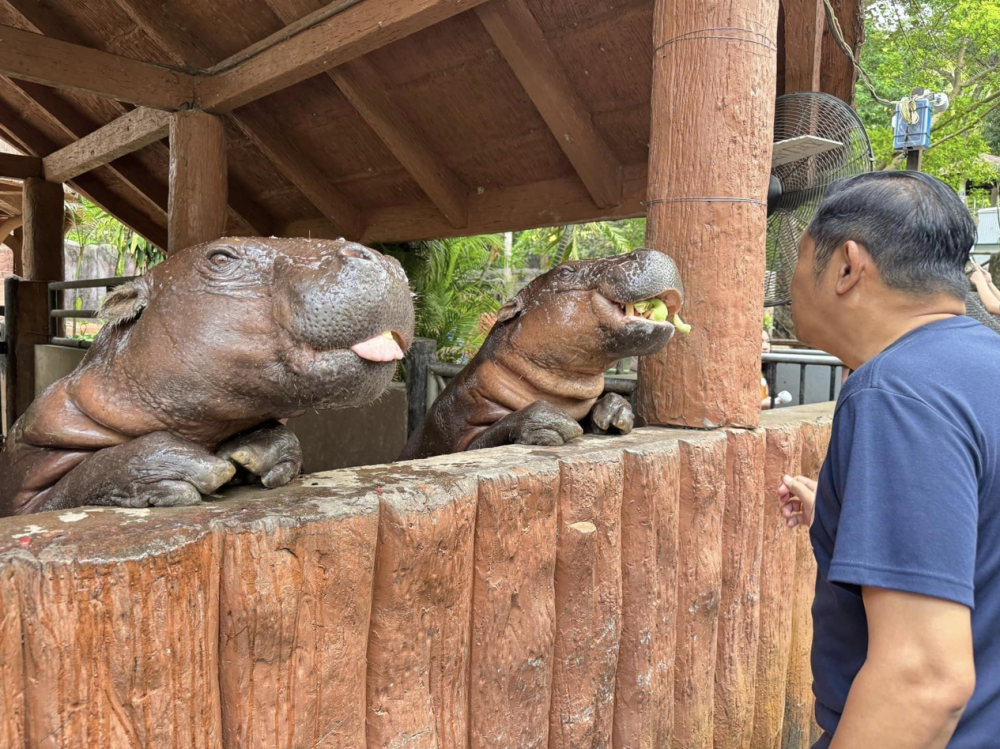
x=710, y=150
x=42, y=247
x=198, y=201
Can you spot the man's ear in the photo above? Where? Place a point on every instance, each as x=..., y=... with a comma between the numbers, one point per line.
x=125, y=303
x=853, y=263
x=510, y=310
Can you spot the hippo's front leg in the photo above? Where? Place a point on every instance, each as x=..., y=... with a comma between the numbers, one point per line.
x=157, y=469
x=541, y=423
x=269, y=453
x=612, y=411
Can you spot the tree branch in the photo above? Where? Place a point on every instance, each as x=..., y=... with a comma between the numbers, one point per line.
x=964, y=129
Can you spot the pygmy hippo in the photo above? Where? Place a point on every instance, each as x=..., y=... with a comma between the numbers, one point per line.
x=185, y=386
x=541, y=369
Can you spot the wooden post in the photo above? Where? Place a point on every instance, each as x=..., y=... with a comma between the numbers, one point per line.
x=804, y=24
x=43, y=230
x=26, y=324
x=710, y=149
x=199, y=199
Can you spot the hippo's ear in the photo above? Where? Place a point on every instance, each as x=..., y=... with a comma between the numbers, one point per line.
x=125, y=303
x=510, y=310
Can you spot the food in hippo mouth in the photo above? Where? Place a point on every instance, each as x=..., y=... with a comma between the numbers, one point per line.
x=381, y=348
x=656, y=311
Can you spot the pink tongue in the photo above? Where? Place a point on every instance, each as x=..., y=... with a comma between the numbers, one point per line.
x=378, y=348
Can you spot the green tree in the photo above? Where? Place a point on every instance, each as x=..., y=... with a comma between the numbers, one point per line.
x=91, y=225
x=456, y=282
x=557, y=244
x=952, y=46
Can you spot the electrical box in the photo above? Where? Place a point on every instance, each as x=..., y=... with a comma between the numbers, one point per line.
x=915, y=137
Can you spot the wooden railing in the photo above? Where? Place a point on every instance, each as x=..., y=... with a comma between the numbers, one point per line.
x=639, y=591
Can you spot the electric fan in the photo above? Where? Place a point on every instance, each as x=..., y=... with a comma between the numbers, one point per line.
x=817, y=139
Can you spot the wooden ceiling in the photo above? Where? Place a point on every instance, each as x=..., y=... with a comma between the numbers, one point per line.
x=445, y=131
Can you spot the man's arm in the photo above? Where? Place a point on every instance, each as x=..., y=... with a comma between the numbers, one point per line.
x=917, y=678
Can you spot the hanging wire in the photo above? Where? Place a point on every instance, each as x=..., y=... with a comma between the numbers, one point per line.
x=909, y=105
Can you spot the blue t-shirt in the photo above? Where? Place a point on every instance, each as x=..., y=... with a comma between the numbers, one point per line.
x=909, y=500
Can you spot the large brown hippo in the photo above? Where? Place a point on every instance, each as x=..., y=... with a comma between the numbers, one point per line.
x=541, y=370
x=185, y=385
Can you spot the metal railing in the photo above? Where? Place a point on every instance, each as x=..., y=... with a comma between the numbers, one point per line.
x=56, y=314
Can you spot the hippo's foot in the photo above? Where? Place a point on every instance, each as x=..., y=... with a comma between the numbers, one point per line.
x=269, y=454
x=611, y=413
x=541, y=423
x=155, y=470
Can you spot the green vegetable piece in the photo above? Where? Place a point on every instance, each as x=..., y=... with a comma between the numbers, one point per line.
x=682, y=327
x=655, y=307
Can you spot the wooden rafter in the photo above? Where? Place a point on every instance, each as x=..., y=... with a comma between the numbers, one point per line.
x=28, y=138
x=151, y=192
x=128, y=133
x=523, y=45
x=20, y=167
x=259, y=129
x=42, y=59
x=548, y=203
x=361, y=84
x=329, y=37
x=296, y=167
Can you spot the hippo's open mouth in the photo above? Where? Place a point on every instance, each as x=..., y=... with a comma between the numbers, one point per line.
x=661, y=311
x=385, y=347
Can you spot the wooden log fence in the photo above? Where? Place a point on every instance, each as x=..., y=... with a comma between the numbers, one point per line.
x=631, y=592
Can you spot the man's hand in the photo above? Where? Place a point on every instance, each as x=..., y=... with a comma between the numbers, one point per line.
x=917, y=678
x=798, y=500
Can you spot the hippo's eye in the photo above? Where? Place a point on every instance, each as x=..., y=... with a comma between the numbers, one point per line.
x=566, y=271
x=221, y=259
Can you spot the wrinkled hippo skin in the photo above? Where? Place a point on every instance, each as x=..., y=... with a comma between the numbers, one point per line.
x=184, y=389
x=540, y=372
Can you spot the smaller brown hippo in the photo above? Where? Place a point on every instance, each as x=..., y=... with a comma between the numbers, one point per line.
x=541, y=370
x=186, y=385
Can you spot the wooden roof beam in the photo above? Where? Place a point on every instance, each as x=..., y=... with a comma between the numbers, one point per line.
x=359, y=82
x=523, y=45
x=300, y=171
x=30, y=139
x=16, y=166
x=318, y=42
x=51, y=62
x=128, y=133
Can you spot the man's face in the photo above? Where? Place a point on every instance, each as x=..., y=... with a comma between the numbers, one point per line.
x=813, y=309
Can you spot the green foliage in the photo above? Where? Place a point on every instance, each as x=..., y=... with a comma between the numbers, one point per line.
x=557, y=244
x=941, y=45
x=456, y=281
x=92, y=226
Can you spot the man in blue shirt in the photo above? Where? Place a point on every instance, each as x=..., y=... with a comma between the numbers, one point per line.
x=905, y=522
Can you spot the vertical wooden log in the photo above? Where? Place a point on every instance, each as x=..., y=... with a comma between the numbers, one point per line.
x=42, y=247
x=739, y=621
x=513, y=617
x=588, y=602
x=12, y=676
x=295, y=600
x=418, y=646
x=699, y=587
x=804, y=23
x=837, y=74
x=799, y=700
x=198, y=201
x=131, y=636
x=776, y=592
x=710, y=149
x=420, y=355
x=815, y=439
x=26, y=324
x=644, y=689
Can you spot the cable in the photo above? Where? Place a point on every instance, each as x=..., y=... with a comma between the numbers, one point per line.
x=838, y=37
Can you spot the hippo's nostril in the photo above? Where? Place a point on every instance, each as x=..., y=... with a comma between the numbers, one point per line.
x=356, y=251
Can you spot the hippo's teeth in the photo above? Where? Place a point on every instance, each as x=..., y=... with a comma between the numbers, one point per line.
x=381, y=348
x=629, y=310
